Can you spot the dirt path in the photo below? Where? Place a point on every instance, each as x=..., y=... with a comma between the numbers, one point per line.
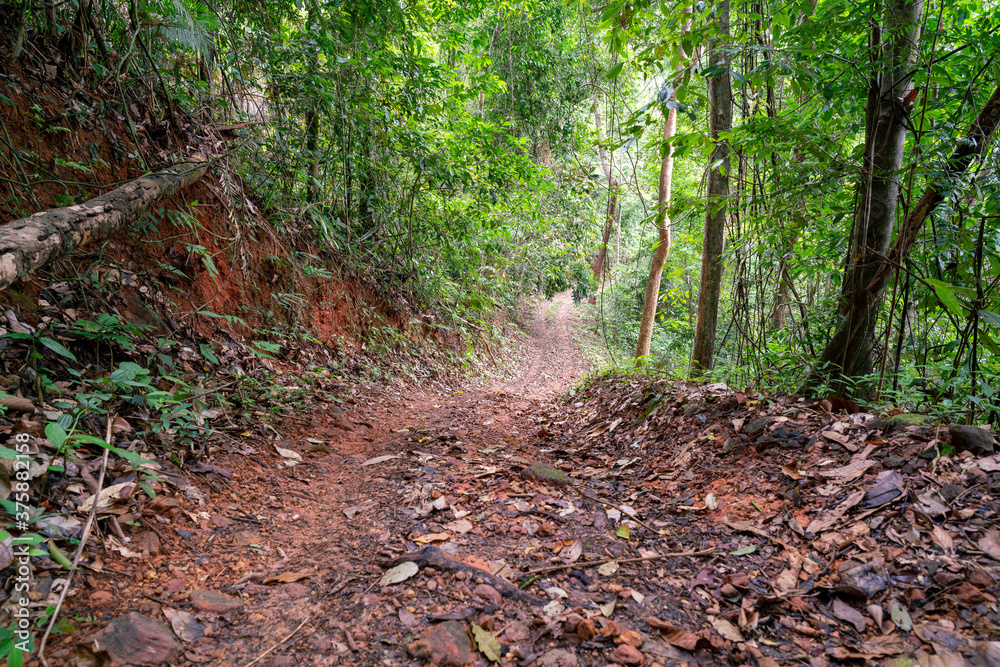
x=334, y=519
x=303, y=547
x=555, y=361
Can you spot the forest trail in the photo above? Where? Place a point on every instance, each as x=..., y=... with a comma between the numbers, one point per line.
x=444, y=450
x=555, y=360
x=306, y=544
x=630, y=523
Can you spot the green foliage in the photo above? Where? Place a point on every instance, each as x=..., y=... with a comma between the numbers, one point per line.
x=449, y=152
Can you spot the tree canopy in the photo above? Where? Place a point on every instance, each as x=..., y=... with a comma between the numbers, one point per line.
x=471, y=153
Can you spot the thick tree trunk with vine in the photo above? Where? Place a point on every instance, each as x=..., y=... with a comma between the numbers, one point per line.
x=972, y=145
x=849, y=353
x=720, y=95
x=30, y=243
x=975, y=143
x=609, y=225
x=609, y=221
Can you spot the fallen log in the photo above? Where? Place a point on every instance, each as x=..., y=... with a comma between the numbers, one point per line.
x=30, y=243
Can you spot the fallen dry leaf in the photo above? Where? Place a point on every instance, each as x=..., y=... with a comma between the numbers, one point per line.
x=848, y=613
x=727, y=629
x=401, y=572
x=108, y=496
x=990, y=544
x=380, y=459
x=675, y=636
x=607, y=569
x=287, y=577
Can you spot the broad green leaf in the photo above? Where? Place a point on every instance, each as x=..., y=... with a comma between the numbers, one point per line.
x=56, y=434
x=990, y=317
x=57, y=347
x=946, y=293
x=56, y=554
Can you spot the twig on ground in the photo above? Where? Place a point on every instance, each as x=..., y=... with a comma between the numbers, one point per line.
x=436, y=558
x=630, y=518
x=270, y=650
x=83, y=543
x=675, y=554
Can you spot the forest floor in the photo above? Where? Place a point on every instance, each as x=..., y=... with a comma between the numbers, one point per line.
x=537, y=521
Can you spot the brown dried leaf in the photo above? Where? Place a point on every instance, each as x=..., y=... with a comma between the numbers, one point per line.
x=727, y=629
x=848, y=613
x=828, y=518
x=990, y=544
x=287, y=577
x=675, y=636
x=572, y=553
x=943, y=539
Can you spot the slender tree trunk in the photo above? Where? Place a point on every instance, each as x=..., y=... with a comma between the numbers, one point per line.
x=776, y=320
x=312, y=153
x=31, y=243
x=848, y=354
x=312, y=121
x=652, y=297
x=50, y=17
x=609, y=221
x=720, y=96
x=609, y=224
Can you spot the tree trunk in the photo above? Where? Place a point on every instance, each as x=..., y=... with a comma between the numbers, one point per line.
x=776, y=320
x=652, y=297
x=312, y=154
x=720, y=96
x=609, y=221
x=312, y=120
x=31, y=243
x=848, y=354
x=651, y=300
x=609, y=224
x=973, y=144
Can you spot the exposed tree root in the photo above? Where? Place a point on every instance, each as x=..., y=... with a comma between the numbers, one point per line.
x=434, y=557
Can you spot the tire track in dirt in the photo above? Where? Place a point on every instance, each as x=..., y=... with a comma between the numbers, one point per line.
x=555, y=361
